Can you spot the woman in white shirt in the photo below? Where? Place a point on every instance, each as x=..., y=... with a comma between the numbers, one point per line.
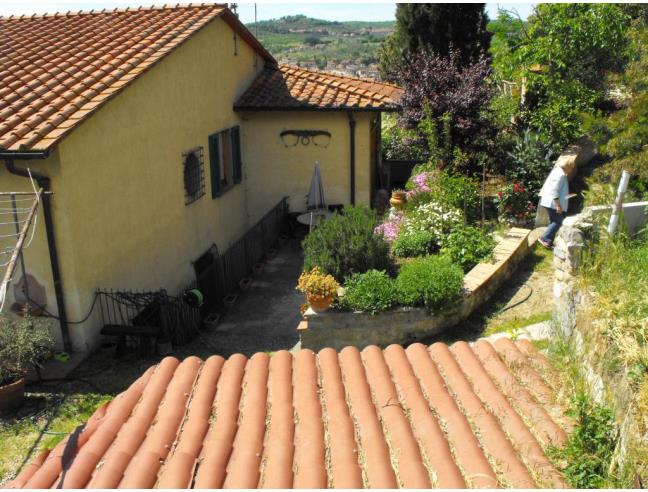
x=553, y=197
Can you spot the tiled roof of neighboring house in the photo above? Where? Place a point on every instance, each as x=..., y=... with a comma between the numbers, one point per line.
x=288, y=87
x=467, y=415
x=57, y=69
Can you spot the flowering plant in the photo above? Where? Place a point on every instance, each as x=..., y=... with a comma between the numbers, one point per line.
x=419, y=183
x=515, y=202
x=316, y=283
x=391, y=227
x=434, y=218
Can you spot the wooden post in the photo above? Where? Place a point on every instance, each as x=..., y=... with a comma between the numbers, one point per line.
x=618, y=203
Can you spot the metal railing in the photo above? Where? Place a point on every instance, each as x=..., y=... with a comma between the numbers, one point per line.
x=219, y=275
x=148, y=314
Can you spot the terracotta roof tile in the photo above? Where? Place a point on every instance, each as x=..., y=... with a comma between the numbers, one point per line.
x=69, y=60
x=288, y=87
x=438, y=416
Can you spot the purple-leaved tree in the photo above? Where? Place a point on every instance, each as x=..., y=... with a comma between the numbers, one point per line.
x=454, y=98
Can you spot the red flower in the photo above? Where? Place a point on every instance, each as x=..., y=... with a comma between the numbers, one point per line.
x=499, y=194
x=516, y=188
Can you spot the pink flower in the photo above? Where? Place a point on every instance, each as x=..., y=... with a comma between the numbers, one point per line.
x=420, y=182
x=390, y=228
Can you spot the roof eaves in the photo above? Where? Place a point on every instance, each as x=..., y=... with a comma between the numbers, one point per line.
x=234, y=22
x=310, y=107
x=113, y=91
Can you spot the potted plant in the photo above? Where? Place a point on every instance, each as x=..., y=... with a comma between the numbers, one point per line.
x=320, y=289
x=398, y=199
x=21, y=346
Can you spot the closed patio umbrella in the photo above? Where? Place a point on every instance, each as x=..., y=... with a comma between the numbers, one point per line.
x=316, y=200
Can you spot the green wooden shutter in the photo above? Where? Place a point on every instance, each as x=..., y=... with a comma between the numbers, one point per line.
x=236, y=154
x=214, y=164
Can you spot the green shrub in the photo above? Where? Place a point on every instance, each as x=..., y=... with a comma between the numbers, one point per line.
x=531, y=161
x=433, y=282
x=466, y=246
x=399, y=143
x=346, y=244
x=418, y=243
x=370, y=292
x=21, y=346
x=590, y=447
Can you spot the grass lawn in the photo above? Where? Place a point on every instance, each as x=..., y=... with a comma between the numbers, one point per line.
x=42, y=422
x=53, y=409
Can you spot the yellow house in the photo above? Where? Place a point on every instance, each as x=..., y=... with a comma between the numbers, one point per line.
x=159, y=132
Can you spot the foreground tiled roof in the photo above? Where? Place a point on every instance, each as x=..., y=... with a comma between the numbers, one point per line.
x=55, y=70
x=467, y=415
x=288, y=87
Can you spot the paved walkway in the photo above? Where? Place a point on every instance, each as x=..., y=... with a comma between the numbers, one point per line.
x=264, y=318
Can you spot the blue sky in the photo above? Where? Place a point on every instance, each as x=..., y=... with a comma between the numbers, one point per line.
x=330, y=11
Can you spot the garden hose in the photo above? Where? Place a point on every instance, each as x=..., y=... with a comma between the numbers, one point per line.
x=506, y=308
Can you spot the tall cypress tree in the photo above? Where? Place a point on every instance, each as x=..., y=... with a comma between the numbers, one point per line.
x=437, y=27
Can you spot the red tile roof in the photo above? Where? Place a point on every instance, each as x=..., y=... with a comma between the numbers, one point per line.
x=467, y=415
x=56, y=70
x=288, y=87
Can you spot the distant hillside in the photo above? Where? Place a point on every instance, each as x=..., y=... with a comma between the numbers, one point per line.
x=345, y=47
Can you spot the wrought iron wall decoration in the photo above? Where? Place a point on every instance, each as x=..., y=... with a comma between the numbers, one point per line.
x=319, y=138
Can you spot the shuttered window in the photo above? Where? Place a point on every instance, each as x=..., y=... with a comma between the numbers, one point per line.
x=215, y=164
x=225, y=160
x=236, y=154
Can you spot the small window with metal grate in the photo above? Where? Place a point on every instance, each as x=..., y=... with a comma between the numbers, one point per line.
x=194, y=174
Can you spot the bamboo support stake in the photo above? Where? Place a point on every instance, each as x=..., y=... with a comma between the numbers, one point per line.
x=21, y=240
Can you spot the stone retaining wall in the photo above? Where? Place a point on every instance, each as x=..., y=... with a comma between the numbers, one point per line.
x=571, y=318
x=337, y=329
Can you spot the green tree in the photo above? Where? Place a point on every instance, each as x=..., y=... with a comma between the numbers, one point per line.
x=563, y=54
x=436, y=27
x=624, y=134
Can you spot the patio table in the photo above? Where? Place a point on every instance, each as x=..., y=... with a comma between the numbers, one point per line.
x=314, y=217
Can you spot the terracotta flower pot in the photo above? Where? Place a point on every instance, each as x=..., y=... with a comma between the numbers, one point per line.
x=398, y=199
x=319, y=304
x=12, y=395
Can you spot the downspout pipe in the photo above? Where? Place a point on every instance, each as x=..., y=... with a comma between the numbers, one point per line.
x=44, y=182
x=352, y=161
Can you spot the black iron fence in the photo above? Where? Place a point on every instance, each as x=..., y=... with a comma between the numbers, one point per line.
x=219, y=275
x=134, y=316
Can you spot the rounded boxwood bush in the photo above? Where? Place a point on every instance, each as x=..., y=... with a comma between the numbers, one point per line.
x=370, y=292
x=346, y=244
x=419, y=243
x=466, y=246
x=433, y=282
